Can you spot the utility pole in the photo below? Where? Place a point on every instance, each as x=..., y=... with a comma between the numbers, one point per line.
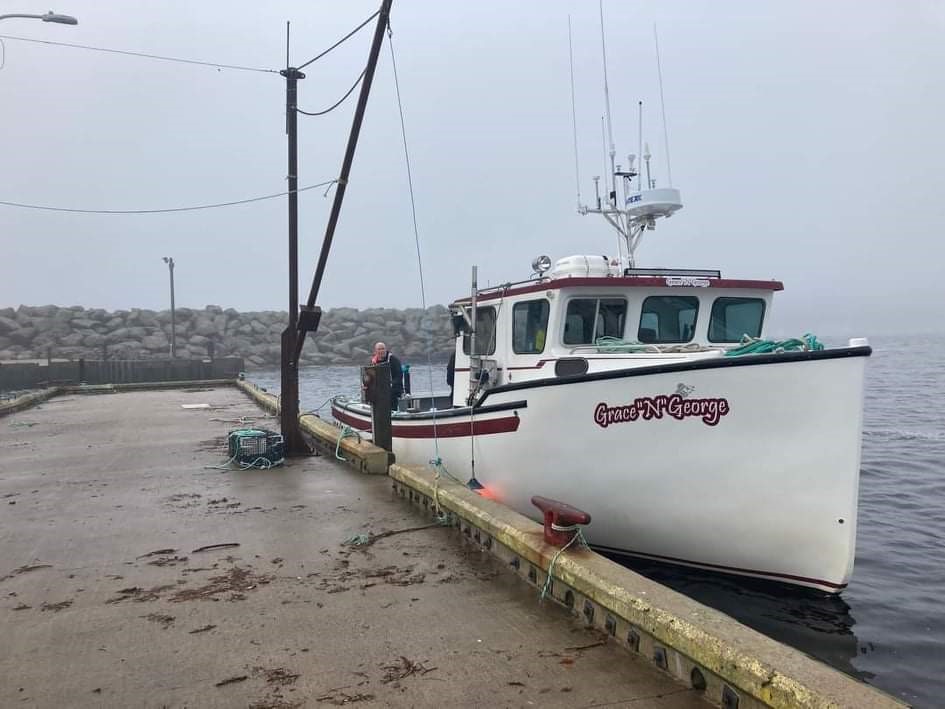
x=289, y=410
x=170, y=267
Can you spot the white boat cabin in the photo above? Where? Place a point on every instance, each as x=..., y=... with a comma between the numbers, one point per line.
x=589, y=315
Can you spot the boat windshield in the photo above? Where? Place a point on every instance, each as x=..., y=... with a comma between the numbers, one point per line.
x=733, y=318
x=588, y=319
x=668, y=318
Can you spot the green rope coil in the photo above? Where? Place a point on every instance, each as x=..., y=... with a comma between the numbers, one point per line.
x=615, y=344
x=755, y=345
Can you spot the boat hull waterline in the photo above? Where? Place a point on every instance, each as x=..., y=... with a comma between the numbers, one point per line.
x=751, y=470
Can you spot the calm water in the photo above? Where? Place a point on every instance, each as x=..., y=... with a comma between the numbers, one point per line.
x=888, y=627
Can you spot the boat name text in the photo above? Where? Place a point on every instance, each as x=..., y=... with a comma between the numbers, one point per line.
x=687, y=281
x=675, y=406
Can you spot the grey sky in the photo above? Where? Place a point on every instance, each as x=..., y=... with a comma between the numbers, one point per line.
x=806, y=138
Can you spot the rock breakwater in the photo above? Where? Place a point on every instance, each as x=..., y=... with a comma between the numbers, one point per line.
x=345, y=336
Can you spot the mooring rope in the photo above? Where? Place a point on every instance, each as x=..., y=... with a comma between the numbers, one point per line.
x=579, y=538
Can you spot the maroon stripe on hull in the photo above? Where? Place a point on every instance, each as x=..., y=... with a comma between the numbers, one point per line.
x=442, y=430
x=770, y=575
x=352, y=421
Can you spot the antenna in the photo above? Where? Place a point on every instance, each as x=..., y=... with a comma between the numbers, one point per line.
x=577, y=172
x=650, y=183
x=640, y=142
x=603, y=141
x=610, y=131
x=659, y=73
x=629, y=214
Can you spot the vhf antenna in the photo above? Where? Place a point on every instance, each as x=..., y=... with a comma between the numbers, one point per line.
x=577, y=170
x=610, y=130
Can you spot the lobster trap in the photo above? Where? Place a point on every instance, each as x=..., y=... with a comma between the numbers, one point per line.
x=255, y=448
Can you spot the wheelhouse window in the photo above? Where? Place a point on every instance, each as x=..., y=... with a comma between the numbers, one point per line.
x=733, y=318
x=529, y=326
x=589, y=319
x=485, y=332
x=668, y=318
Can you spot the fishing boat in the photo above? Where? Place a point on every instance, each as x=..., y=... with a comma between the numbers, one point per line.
x=653, y=399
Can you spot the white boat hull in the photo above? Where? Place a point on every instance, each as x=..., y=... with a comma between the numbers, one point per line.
x=748, y=467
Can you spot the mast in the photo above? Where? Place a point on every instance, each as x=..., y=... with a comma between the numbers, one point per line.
x=629, y=211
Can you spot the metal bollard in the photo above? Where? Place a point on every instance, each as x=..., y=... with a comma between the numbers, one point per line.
x=561, y=520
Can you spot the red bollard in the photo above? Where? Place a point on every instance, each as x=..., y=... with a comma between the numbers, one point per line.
x=561, y=520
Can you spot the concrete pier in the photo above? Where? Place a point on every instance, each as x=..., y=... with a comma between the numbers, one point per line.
x=108, y=597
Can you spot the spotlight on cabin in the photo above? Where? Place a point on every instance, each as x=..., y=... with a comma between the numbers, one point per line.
x=540, y=264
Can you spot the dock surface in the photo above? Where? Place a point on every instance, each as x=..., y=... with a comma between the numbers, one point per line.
x=107, y=600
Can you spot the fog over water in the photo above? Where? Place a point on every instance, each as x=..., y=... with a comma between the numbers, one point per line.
x=805, y=138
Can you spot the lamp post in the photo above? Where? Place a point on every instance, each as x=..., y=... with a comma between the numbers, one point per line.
x=48, y=17
x=170, y=267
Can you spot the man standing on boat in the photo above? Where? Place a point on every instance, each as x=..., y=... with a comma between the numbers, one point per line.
x=382, y=355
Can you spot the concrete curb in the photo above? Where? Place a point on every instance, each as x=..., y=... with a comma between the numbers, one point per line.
x=679, y=634
x=362, y=455
x=266, y=401
x=29, y=400
x=738, y=666
x=144, y=386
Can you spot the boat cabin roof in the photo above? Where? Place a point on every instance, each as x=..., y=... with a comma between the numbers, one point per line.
x=671, y=279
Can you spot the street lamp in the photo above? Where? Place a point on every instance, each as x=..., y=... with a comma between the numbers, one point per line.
x=170, y=267
x=48, y=17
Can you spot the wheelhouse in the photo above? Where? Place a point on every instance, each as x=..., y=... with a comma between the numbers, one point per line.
x=571, y=323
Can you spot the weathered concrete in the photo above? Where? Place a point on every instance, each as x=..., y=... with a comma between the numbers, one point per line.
x=30, y=399
x=674, y=631
x=105, y=602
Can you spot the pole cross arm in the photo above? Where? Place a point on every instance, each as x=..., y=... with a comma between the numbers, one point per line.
x=342, y=182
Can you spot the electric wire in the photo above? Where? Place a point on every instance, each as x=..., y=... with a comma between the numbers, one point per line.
x=340, y=41
x=159, y=211
x=142, y=55
x=340, y=101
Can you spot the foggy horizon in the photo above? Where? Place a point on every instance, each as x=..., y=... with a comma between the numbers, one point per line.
x=804, y=139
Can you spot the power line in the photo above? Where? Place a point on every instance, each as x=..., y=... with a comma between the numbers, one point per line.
x=346, y=37
x=340, y=101
x=160, y=211
x=140, y=54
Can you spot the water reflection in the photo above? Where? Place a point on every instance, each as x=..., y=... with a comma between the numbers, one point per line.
x=815, y=623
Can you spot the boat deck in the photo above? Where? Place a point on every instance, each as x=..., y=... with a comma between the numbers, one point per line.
x=108, y=601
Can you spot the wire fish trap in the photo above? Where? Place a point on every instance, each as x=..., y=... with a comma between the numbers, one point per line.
x=255, y=448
